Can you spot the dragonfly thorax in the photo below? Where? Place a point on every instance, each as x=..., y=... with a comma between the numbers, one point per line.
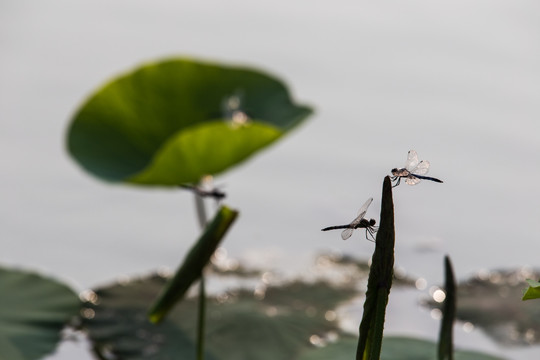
x=400, y=172
x=364, y=223
x=413, y=172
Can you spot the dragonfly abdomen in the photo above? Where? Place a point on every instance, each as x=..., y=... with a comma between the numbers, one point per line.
x=427, y=178
x=336, y=227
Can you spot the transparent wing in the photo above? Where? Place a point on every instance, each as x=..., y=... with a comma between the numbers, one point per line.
x=346, y=233
x=361, y=213
x=363, y=209
x=412, y=160
x=422, y=168
x=412, y=180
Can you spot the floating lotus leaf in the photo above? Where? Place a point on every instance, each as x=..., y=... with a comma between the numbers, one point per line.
x=174, y=121
x=394, y=348
x=492, y=301
x=275, y=323
x=33, y=311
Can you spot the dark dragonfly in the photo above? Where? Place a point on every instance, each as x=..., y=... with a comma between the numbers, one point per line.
x=358, y=222
x=213, y=193
x=413, y=172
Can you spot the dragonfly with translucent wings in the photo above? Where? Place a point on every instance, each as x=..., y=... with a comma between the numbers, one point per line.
x=358, y=222
x=413, y=172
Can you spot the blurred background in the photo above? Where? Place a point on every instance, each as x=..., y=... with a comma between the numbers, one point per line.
x=457, y=82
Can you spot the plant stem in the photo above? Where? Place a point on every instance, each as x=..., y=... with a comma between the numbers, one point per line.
x=446, y=347
x=193, y=265
x=201, y=211
x=379, y=281
x=201, y=317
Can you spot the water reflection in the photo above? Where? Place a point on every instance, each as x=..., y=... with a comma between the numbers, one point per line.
x=292, y=309
x=89, y=296
x=436, y=314
x=491, y=300
x=468, y=327
x=439, y=296
x=315, y=308
x=339, y=268
x=420, y=283
x=260, y=292
x=316, y=340
x=87, y=313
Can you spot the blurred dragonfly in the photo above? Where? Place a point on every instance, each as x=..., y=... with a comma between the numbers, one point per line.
x=413, y=171
x=358, y=222
x=213, y=193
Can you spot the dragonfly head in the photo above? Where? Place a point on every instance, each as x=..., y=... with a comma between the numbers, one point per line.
x=394, y=171
x=372, y=222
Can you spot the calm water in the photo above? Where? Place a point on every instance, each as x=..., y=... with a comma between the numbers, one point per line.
x=457, y=82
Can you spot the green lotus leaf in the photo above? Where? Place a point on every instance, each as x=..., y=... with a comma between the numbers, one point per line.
x=240, y=325
x=175, y=121
x=394, y=348
x=33, y=311
x=404, y=348
x=533, y=292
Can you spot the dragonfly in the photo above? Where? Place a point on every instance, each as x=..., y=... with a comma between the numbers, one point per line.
x=413, y=172
x=358, y=222
x=213, y=193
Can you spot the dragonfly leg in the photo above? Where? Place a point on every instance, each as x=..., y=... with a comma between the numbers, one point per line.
x=370, y=231
x=397, y=180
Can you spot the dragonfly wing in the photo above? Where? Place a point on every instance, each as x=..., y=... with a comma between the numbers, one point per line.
x=422, y=168
x=412, y=180
x=346, y=233
x=412, y=160
x=361, y=214
x=363, y=209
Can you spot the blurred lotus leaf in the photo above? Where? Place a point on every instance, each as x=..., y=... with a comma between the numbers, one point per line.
x=272, y=323
x=177, y=120
x=499, y=292
x=394, y=348
x=33, y=311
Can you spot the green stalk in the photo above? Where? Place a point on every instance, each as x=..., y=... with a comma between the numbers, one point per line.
x=379, y=281
x=192, y=267
x=446, y=347
x=201, y=316
x=201, y=211
x=201, y=320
